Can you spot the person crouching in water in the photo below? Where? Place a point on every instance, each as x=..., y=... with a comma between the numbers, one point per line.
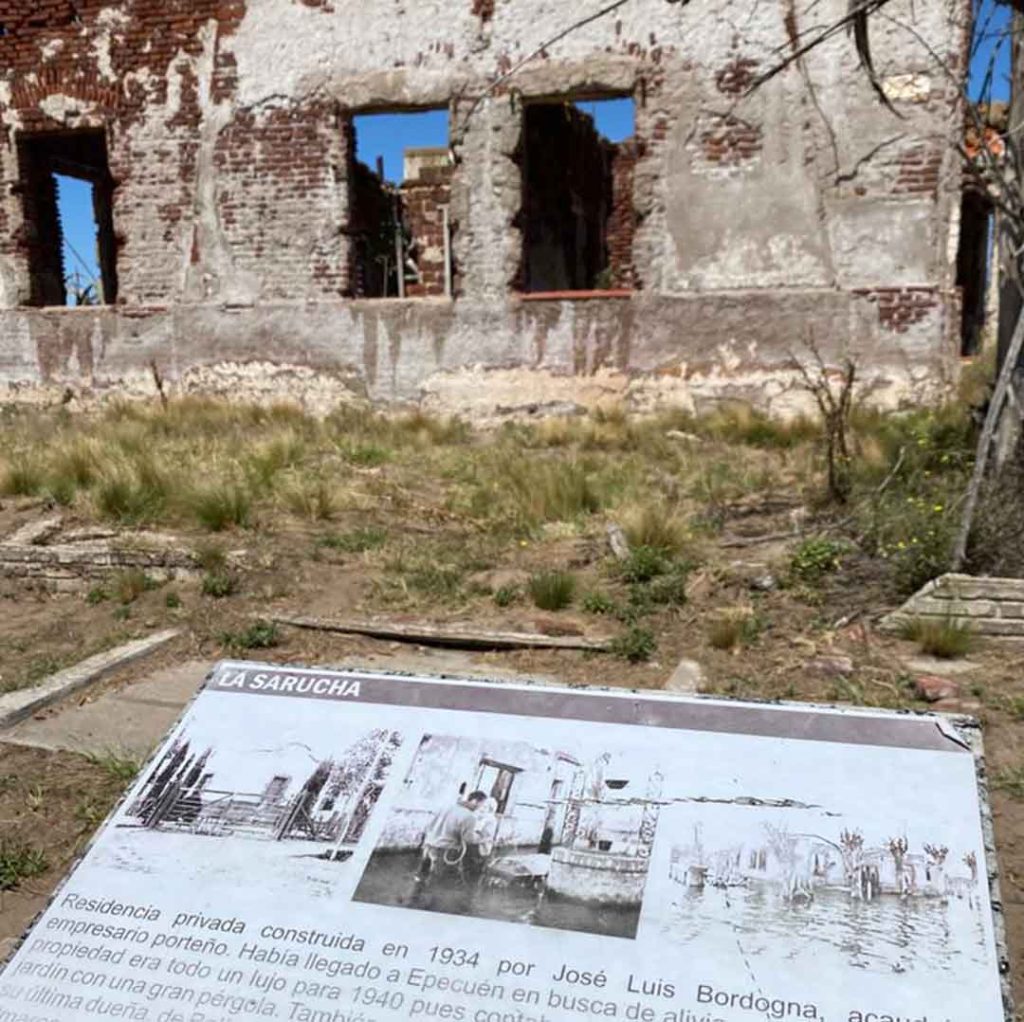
x=450, y=844
x=485, y=830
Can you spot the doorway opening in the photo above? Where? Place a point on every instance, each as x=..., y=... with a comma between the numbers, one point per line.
x=973, y=267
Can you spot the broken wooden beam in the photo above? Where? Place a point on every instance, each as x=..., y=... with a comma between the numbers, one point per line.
x=424, y=633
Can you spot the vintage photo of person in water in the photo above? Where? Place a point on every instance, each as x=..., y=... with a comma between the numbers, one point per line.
x=819, y=889
x=510, y=830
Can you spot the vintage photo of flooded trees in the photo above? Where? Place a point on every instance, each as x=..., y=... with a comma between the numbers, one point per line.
x=509, y=830
x=814, y=887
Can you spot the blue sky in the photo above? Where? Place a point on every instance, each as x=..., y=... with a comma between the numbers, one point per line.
x=74, y=198
x=388, y=135
x=992, y=25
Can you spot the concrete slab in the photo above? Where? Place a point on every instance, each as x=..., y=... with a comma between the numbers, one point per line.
x=129, y=721
x=22, y=703
x=173, y=685
x=937, y=665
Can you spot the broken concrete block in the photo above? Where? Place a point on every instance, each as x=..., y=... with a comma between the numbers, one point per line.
x=831, y=666
x=933, y=687
x=550, y=624
x=34, y=532
x=688, y=677
x=989, y=606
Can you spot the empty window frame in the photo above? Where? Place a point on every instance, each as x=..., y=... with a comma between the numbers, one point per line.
x=577, y=216
x=67, y=192
x=973, y=267
x=400, y=194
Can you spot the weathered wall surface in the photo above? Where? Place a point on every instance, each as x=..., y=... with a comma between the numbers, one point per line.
x=803, y=213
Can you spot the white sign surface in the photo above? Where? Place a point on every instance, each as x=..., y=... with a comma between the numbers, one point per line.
x=322, y=846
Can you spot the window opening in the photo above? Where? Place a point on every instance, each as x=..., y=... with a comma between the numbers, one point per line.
x=973, y=267
x=577, y=216
x=496, y=779
x=401, y=199
x=67, y=193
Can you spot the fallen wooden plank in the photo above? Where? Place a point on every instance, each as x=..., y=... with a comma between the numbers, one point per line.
x=23, y=702
x=768, y=537
x=424, y=633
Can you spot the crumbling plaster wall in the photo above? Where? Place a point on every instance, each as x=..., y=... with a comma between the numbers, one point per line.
x=805, y=212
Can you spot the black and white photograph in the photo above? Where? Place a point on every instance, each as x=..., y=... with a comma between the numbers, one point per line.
x=223, y=804
x=509, y=830
x=821, y=890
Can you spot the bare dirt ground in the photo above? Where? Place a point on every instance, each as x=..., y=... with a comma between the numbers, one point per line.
x=736, y=562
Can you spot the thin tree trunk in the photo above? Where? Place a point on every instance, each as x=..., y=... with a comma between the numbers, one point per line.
x=988, y=432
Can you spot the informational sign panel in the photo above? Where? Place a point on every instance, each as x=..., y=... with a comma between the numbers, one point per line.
x=314, y=846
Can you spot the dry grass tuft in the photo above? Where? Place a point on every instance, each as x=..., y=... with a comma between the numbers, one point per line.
x=947, y=639
x=315, y=499
x=732, y=628
x=221, y=505
x=655, y=526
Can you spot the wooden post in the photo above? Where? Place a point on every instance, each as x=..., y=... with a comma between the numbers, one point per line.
x=447, y=252
x=399, y=251
x=988, y=432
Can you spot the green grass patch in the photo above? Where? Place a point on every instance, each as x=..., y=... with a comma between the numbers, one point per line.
x=598, y=603
x=19, y=862
x=643, y=564
x=552, y=590
x=260, y=634
x=355, y=541
x=121, y=766
x=219, y=584
x=636, y=644
x=367, y=455
x=505, y=596
x=815, y=558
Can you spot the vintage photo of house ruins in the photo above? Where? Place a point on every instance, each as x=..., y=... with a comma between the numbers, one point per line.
x=226, y=792
x=504, y=829
x=823, y=890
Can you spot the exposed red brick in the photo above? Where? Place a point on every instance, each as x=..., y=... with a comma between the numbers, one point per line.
x=899, y=308
x=272, y=169
x=737, y=76
x=422, y=199
x=729, y=141
x=622, y=222
x=917, y=170
x=145, y=48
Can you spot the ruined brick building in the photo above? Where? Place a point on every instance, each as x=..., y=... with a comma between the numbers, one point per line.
x=244, y=248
